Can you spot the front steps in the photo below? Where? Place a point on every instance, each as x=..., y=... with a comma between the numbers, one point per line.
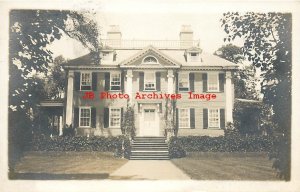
x=149, y=148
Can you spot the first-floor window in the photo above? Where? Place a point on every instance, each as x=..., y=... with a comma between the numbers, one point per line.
x=214, y=118
x=150, y=82
x=115, y=117
x=184, y=118
x=85, y=117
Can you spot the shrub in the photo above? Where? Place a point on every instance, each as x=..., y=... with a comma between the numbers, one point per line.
x=81, y=143
x=229, y=143
x=68, y=130
x=175, y=148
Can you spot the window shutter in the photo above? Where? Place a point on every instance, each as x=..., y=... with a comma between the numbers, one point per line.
x=177, y=119
x=204, y=81
x=221, y=82
x=76, y=117
x=205, y=118
x=93, y=117
x=106, y=118
x=122, y=81
x=107, y=81
x=192, y=118
x=77, y=81
x=141, y=80
x=222, y=118
x=94, y=81
x=157, y=81
x=192, y=81
x=176, y=82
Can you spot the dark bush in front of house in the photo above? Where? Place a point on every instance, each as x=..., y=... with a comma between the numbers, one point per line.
x=81, y=143
x=229, y=143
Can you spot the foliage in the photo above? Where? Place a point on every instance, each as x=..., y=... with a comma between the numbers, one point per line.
x=81, y=143
x=231, y=53
x=175, y=148
x=229, y=143
x=169, y=118
x=55, y=81
x=267, y=43
x=68, y=130
x=127, y=125
x=31, y=31
x=244, y=79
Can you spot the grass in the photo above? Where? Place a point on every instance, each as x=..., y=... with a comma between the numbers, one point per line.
x=66, y=165
x=227, y=166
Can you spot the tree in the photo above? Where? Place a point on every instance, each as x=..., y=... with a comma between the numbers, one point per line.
x=267, y=43
x=55, y=81
x=31, y=31
x=244, y=79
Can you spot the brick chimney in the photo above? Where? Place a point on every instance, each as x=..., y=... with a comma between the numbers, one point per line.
x=186, y=36
x=114, y=36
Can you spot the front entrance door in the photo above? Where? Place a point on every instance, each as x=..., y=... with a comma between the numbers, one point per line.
x=149, y=125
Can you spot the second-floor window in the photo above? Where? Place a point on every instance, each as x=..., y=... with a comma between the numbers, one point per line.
x=183, y=82
x=115, y=81
x=150, y=82
x=213, y=82
x=86, y=81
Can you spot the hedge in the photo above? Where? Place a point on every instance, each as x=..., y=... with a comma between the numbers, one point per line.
x=81, y=143
x=179, y=145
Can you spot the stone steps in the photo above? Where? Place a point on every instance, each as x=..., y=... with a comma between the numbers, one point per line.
x=149, y=148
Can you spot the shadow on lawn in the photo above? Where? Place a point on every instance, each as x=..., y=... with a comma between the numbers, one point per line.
x=49, y=176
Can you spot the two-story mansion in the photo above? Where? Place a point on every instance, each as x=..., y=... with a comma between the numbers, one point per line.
x=149, y=67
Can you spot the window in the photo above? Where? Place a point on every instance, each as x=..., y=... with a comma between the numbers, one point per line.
x=183, y=82
x=86, y=81
x=150, y=60
x=115, y=81
x=115, y=117
x=214, y=118
x=150, y=82
x=184, y=118
x=106, y=56
x=85, y=117
x=194, y=56
x=213, y=82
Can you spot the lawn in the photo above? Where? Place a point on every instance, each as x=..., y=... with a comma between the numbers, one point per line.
x=66, y=165
x=227, y=166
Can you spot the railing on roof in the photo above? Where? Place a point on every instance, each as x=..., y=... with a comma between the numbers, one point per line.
x=140, y=44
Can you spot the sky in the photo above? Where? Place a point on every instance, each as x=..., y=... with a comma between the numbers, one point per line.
x=153, y=20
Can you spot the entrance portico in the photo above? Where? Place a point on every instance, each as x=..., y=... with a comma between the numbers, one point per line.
x=149, y=120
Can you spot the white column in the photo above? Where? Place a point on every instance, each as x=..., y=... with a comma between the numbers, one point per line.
x=129, y=83
x=69, y=105
x=229, y=97
x=60, y=125
x=170, y=81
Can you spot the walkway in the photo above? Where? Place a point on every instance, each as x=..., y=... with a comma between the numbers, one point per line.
x=149, y=169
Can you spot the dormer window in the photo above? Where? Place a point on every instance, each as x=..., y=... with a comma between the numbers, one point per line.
x=194, y=56
x=108, y=56
x=150, y=60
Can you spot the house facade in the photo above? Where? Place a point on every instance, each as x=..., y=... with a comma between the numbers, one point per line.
x=145, y=74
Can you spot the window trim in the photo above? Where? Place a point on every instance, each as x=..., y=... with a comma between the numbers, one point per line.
x=109, y=117
x=219, y=120
x=110, y=80
x=188, y=80
x=91, y=79
x=154, y=81
x=89, y=117
x=218, y=86
x=189, y=118
x=143, y=62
